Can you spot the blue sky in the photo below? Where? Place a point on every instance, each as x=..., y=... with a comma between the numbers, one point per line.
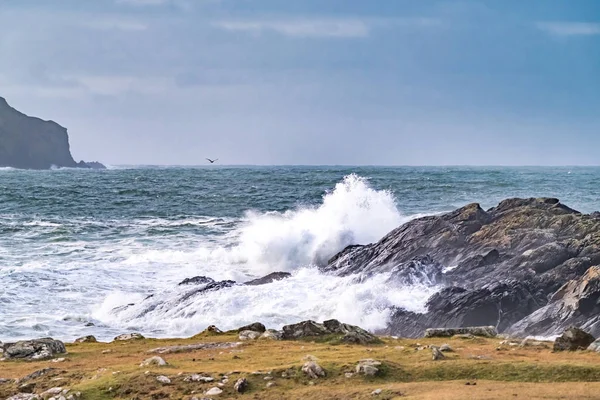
x=310, y=81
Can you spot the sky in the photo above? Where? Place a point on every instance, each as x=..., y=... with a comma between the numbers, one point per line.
x=326, y=82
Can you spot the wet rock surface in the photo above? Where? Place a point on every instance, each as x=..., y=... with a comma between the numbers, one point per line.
x=502, y=267
x=33, y=350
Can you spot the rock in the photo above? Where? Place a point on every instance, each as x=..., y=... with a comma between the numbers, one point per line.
x=501, y=267
x=156, y=360
x=249, y=335
x=256, y=327
x=241, y=385
x=31, y=143
x=533, y=343
x=271, y=334
x=193, y=347
x=213, y=329
x=368, y=367
x=573, y=339
x=351, y=333
x=485, y=331
x=32, y=350
x=313, y=370
x=58, y=360
x=214, y=391
x=270, y=384
x=377, y=392
x=348, y=375
x=197, y=280
x=595, y=346
x=38, y=374
x=199, y=378
x=446, y=348
x=275, y=276
x=27, y=387
x=52, y=392
x=437, y=354
x=24, y=396
x=129, y=336
x=86, y=339
x=163, y=379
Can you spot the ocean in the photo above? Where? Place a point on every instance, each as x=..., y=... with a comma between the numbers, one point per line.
x=80, y=249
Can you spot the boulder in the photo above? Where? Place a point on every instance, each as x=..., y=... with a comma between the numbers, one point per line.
x=437, y=354
x=349, y=333
x=241, y=385
x=154, y=361
x=199, y=378
x=214, y=391
x=573, y=339
x=313, y=370
x=271, y=334
x=275, y=276
x=163, y=379
x=368, y=367
x=256, y=327
x=86, y=339
x=484, y=331
x=446, y=348
x=249, y=335
x=32, y=350
x=129, y=336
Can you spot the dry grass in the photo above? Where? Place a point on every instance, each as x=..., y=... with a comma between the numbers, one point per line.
x=407, y=373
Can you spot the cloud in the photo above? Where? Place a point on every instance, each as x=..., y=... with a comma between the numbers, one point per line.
x=569, y=28
x=306, y=28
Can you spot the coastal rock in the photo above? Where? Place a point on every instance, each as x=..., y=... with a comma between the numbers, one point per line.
x=241, y=385
x=500, y=267
x=573, y=339
x=199, y=378
x=214, y=391
x=271, y=334
x=595, y=346
x=350, y=333
x=193, y=347
x=437, y=354
x=86, y=339
x=31, y=143
x=256, y=327
x=368, y=367
x=249, y=335
x=32, y=350
x=484, y=331
x=163, y=379
x=275, y=276
x=197, y=280
x=156, y=360
x=129, y=336
x=313, y=370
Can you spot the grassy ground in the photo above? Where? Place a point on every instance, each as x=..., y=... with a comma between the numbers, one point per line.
x=111, y=371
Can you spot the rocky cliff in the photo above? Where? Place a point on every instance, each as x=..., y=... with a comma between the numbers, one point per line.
x=527, y=267
x=31, y=143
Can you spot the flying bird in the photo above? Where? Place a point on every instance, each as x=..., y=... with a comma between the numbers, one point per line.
x=212, y=161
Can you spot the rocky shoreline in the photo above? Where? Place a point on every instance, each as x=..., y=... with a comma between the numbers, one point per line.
x=159, y=380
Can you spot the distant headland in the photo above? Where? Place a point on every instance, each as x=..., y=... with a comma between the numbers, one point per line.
x=31, y=143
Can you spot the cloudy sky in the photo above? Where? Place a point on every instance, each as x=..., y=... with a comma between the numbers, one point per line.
x=310, y=81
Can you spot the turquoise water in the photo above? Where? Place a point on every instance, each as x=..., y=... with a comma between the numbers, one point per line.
x=75, y=244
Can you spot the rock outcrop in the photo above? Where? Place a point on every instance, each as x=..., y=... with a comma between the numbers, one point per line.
x=310, y=329
x=33, y=350
x=573, y=339
x=501, y=267
x=31, y=143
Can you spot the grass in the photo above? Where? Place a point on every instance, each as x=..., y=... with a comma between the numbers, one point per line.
x=502, y=373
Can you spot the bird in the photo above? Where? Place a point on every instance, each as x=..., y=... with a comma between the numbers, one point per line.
x=212, y=161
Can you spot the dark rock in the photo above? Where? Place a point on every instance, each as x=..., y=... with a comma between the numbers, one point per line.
x=500, y=267
x=197, y=280
x=241, y=385
x=31, y=350
x=349, y=333
x=31, y=143
x=573, y=339
x=86, y=339
x=484, y=331
x=38, y=374
x=256, y=327
x=275, y=276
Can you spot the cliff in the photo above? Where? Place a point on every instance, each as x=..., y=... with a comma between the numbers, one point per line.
x=31, y=143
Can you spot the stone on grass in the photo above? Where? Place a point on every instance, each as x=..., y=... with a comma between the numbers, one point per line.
x=573, y=339
x=156, y=360
x=368, y=367
x=214, y=391
x=163, y=379
x=129, y=336
x=313, y=370
x=86, y=339
x=241, y=385
x=249, y=335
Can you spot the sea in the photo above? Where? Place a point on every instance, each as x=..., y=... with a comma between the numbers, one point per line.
x=80, y=250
